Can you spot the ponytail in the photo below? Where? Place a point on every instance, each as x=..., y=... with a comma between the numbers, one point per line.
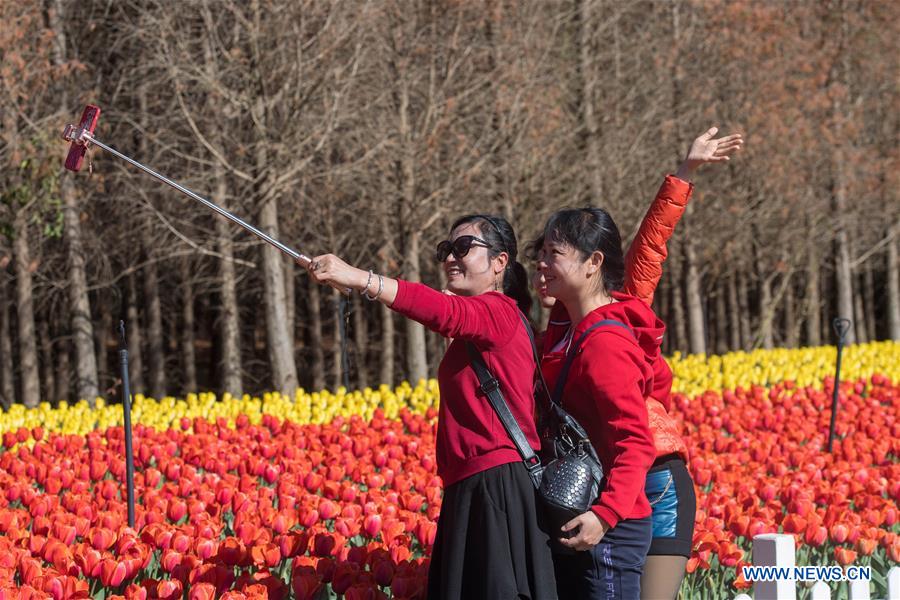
x=515, y=285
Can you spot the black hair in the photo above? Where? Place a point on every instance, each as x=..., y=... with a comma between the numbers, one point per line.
x=497, y=232
x=590, y=230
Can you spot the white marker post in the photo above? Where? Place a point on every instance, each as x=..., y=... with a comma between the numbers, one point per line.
x=774, y=550
x=893, y=584
x=820, y=591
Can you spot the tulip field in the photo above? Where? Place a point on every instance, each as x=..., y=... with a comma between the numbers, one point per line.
x=335, y=495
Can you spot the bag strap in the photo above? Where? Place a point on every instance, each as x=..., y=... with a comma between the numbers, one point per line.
x=491, y=388
x=537, y=358
x=556, y=398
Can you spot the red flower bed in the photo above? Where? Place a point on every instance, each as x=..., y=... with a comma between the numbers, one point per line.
x=760, y=459
x=282, y=510
x=257, y=511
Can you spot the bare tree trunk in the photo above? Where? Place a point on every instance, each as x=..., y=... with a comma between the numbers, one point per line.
x=188, y=355
x=843, y=271
x=63, y=372
x=48, y=380
x=101, y=333
x=417, y=361
x=681, y=340
x=315, y=334
x=388, y=326
x=229, y=316
x=499, y=157
x=281, y=352
x=290, y=302
x=893, y=284
x=360, y=341
x=155, y=350
x=588, y=80
x=28, y=357
x=388, y=341
x=734, y=314
x=660, y=307
x=813, y=301
x=694, y=299
x=766, y=312
x=861, y=318
x=7, y=382
x=135, y=340
x=868, y=294
x=744, y=312
x=79, y=304
x=791, y=325
x=337, y=364
x=721, y=321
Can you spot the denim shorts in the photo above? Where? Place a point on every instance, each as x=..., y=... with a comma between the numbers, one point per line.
x=670, y=490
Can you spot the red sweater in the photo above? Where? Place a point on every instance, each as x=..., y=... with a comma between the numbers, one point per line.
x=610, y=378
x=470, y=437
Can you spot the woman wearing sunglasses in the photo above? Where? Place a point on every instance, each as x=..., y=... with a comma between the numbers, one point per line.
x=668, y=485
x=489, y=544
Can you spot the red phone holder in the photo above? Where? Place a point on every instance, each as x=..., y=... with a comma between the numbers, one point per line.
x=80, y=136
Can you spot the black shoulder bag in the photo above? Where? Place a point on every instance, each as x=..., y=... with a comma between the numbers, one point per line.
x=572, y=478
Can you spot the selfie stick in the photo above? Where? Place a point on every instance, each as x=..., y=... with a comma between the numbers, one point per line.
x=82, y=137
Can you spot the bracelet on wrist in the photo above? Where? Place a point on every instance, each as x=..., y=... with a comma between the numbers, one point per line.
x=365, y=290
x=378, y=293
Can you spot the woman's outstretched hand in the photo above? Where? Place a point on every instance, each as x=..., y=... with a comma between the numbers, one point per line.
x=709, y=149
x=328, y=269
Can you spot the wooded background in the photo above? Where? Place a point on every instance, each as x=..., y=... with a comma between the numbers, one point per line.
x=365, y=127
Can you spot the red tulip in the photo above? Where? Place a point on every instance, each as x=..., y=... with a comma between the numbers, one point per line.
x=112, y=572
x=866, y=546
x=232, y=552
x=384, y=572
x=169, y=560
x=844, y=556
x=372, y=525
x=202, y=591
x=328, y=510
x=323, y=544
x=345, y=575
x=839, y=533
x=306, y=586
x=176, y=510
x=364, y=592
x=816, y=535
x=325, y=569
x=206, y=548
x=265, y=555
x=171, y=589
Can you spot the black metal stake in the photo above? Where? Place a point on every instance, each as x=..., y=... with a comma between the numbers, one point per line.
x=126, y=406
x=841, y=328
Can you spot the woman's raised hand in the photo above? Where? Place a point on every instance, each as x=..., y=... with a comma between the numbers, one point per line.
x=709, y=149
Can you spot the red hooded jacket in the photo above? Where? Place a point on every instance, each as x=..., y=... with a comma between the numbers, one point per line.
x=605, y=391
x=643, y=270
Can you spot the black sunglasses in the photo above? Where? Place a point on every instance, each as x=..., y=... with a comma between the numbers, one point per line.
x=458, y=247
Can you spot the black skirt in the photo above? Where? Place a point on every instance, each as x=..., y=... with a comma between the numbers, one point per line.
x=489, y=541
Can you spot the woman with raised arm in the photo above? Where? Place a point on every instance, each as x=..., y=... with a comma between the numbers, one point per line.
x=668, y=486
x=489, y=543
